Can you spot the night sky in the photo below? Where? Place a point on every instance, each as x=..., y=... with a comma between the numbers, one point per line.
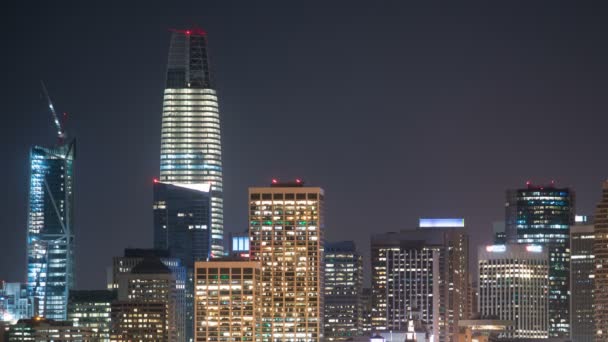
x=399, y=110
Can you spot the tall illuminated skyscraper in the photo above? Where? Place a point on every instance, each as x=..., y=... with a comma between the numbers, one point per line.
x=542, y=215
x=191, y=150
x=50, y=234
x=286, y=230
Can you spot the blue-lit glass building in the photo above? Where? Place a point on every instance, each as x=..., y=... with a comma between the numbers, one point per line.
x=542, y=215
x=50, y=231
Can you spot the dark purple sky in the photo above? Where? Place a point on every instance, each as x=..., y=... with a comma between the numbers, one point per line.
x=398, y=110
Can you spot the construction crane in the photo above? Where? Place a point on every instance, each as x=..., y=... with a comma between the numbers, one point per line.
x=60, y=132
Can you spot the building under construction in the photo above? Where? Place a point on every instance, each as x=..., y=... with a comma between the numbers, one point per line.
x=50, y=233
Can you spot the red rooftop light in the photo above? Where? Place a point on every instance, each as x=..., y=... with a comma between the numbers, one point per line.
x=194, y=31
x=298, y=180
x=155, y=180
x=274, y=181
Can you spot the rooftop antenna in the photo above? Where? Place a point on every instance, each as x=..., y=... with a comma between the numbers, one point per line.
x=60, y=132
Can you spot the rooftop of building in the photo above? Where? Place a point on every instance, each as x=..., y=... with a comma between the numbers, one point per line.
x=151, y=265
x=92, y=296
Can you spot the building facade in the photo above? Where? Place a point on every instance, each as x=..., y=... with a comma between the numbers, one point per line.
x=542, y=215
x=151, y=282
x=139, y=321
x=91, y=309
x=50, y=234
x=15, y=302
x=422, y=270
x=191, y=150
x=343, y=291
x=600, y=251
x=40, y=329
x=582, y=279
x=286, y=236
x=513, y=286
x=228, y=301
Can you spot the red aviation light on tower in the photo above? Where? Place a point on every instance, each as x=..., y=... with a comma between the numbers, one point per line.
x=275, y=181
x=155, y=180
x=193, y=31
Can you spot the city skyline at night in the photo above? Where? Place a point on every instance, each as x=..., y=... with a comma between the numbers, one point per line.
x=316, y=172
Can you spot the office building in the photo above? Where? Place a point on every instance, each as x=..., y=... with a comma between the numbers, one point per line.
x=15, y=302
x=149, y=282
x=582, y=282
x=191, y=151
x=182, y=226
x=513, y=286
x=50, y=234
x=366, y=314
x=182, y=221
x=600, y=251
x=40, y=329
x=139, y=321
x=133, y=256
x=91, y=309
x=423, y=270
x=228, y=301
x=286, y=236
x=343, y=290
x=542, y=215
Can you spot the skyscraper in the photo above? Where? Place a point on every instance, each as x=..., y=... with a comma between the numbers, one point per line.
x=513, y=285
x=600, y=250
x=542, y=215
x=191, y=150
x=343, y=291
x=286, y=227
x=422, y=270
x=182, y=221
x=582, y=282
x=50, y=234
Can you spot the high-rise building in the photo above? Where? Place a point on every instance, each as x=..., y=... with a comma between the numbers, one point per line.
x=542, y=215
x=91, y=309
x=286, y=227
x=513, y=286
x=50, y=234
x=38, y=329
x=15, y=302
x=151, y=282
x=343, y=289
x=182, y=221
x=600, y=251
x=422, y=270
x=582, y=282
x=191, y=150
x=184, y=295
x=228, y=301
